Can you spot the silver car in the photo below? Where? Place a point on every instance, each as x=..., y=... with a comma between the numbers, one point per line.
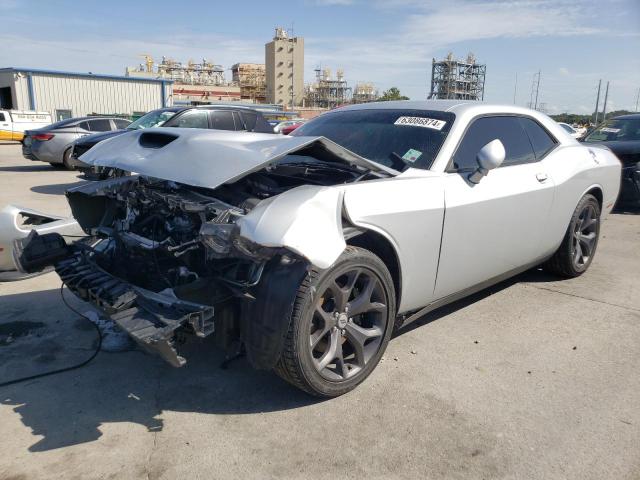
x=307, y=251
x=54, y=143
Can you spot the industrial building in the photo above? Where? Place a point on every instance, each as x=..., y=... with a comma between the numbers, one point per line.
x=70, y=94
x=327, y=92
x=194, y=83
x=457, y=79
x=364, y=92
x=284, y=69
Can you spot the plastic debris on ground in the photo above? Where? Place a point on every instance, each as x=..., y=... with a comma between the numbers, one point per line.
x=113, y=338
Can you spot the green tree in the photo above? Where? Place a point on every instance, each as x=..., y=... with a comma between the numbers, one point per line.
x=392, y=94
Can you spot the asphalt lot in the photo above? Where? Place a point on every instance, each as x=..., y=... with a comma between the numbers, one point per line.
x=533, y=378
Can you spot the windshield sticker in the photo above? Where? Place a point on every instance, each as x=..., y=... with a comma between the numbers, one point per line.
x=610, y=130
x=421, y=122
x=412, y=155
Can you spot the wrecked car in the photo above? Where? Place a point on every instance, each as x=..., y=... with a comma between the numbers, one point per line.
x=309, y=250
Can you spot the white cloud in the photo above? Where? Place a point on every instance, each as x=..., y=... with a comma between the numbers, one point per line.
x=396, y=57
x=563, y=71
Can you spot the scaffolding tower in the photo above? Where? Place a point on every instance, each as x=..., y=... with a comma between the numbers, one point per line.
x=251, y=79
x=456, y=79
x=326, y=92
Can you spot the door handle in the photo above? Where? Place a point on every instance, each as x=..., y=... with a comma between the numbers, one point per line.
x=541, y=177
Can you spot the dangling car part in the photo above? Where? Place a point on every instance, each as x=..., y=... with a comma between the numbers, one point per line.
x=310, y=249
x=16, y=223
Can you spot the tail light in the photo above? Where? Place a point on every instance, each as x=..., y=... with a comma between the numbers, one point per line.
x=43, y=137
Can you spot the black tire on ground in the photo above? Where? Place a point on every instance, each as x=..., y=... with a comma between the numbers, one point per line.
x=65, y=159
x=580, y=241
x=340, y=325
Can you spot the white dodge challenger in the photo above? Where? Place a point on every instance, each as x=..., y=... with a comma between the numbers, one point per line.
x=305, y=252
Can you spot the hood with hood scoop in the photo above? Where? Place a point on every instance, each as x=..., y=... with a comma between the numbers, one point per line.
x=210, y=158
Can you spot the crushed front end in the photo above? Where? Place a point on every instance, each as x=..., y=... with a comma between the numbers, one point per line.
x=164, y=259
x=161, y=259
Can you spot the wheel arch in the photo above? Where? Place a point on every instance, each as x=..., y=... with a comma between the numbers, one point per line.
x=383, y=248
x=596, y=191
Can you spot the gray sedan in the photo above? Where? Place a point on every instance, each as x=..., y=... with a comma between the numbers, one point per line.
x=53, y=143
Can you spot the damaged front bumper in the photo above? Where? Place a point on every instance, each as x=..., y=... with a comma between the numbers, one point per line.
x=17, y=223
x=150, y=318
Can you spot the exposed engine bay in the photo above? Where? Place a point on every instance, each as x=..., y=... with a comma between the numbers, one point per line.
x=160, y=256
x=160, y=234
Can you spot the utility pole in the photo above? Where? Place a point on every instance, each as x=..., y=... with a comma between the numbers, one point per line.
x=537, y=89
x=598, y=101
x=515, y=89
x=604, y=108
x=637, y=98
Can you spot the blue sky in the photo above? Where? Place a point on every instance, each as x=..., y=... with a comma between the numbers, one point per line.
x=391, y=43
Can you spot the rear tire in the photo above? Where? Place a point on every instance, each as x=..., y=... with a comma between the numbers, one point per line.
x=340, y=326
x=578, y=247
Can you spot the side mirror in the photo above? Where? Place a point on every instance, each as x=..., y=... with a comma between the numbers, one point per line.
x=489, y=157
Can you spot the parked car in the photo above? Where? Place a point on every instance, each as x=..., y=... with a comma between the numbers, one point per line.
x=84, y=144
x=570, y=130
x=221, y=117
x=215, y=117
x=310, y=249
x=53, y=143
x=622, y=136
x=287, y=123
x=290, y=128
x=13, y=123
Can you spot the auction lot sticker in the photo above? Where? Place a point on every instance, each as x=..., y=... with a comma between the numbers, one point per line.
x=421, y=122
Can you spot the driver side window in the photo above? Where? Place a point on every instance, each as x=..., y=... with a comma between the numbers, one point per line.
x=486, y=129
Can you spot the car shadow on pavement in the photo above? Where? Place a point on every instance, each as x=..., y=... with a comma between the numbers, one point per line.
x=133, y=387
x=56, y=188
x=69, y=408
x=535, y=275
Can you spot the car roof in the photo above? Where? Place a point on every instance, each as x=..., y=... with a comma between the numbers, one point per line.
x=168, y=109
x=224, y=107
x=630, y=116
x=455, y=106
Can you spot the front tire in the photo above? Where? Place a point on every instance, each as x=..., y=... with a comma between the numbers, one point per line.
x=66, y=159
x=340, y=326
x=578, y=247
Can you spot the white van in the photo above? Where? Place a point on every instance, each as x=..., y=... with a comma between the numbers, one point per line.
x=13, y=123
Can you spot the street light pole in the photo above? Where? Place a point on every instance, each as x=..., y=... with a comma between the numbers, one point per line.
x=604, y=108
x=598, y=101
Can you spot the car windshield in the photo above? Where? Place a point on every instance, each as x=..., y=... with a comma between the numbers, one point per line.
x=396, y=138
x=617, y=129
x=151, y=119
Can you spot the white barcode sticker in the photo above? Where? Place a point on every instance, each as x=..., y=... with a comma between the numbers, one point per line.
x=421, y=122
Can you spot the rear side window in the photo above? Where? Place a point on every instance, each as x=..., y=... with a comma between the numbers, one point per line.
x=541, y=141
x=222, y=120
x=2, y=119
x=189, y=119
x=121, y=123
x=484, y=130
x=101, y=125
x=83, y=125
x=249, y=120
